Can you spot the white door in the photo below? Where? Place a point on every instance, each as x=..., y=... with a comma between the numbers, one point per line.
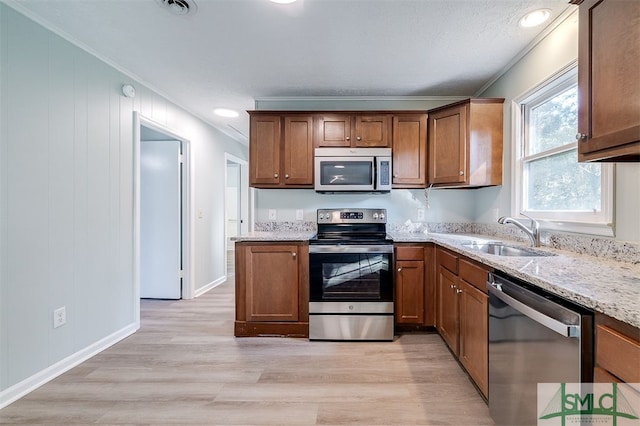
x=160, y=220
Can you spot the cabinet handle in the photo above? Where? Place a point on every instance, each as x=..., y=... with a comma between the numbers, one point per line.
x=461, y=173
x=458, y=291
x=347, y=138
x=395, y=176
x=358, y=138
x=293, y=255
x=452, y=286
x=399, y=269
x=581, y=136
x=275, y=175
x=286, y=176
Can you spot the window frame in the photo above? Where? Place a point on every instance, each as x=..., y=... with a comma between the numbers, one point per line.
x=594, y=223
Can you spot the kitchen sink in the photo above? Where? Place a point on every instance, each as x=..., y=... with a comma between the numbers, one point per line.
x=500, y=249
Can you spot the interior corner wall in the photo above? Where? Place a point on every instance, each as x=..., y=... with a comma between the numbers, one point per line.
x=557, y=50
x=67, y=197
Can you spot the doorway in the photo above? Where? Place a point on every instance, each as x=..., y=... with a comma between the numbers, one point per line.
x=163, y=228
x=236, y=206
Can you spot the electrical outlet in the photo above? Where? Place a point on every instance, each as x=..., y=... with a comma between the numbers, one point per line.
x=420, y=214
x=59, y=317
x=299, y=214
x=272, y=214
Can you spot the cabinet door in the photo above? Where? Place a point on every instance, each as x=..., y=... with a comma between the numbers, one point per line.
x=272, y=283
x=474, y=334
x=447, y=308
x=609, y=85
x=333, y=130
x=298, y=150
x=409, y=150
x=264, y=150
x=372, y=131
x=409, y=292
x=448, y=145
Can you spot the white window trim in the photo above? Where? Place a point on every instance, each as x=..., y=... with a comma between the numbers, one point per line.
x=600, y=223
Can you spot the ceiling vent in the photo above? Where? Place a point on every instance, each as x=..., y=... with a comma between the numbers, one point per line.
x=179, y=7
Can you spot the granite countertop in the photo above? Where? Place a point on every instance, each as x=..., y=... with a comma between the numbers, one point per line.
x=275, y=236
x=606, y=286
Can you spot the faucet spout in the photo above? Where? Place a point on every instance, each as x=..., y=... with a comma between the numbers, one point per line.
x=533, y=233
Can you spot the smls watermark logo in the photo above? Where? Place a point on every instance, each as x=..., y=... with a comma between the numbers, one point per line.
x=615, y=404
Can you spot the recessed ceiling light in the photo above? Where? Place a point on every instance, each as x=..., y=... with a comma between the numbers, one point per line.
x=534, y=18
x=225, y=112
x=283, y=1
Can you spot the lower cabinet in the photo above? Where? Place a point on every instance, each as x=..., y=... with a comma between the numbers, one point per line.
x=272, y=289
x=414, y=290
x=463, y=313
x=617, y=351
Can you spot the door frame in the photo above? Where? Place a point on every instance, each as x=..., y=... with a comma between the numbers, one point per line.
x=188, y=239
x=245, y=200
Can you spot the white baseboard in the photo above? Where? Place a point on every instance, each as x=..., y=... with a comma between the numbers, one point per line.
x=30, y=384
x=213, y=284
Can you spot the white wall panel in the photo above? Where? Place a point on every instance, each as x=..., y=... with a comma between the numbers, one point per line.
x=27, y=200
x=61, y=200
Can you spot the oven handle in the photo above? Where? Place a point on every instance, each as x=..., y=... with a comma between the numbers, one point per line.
x=355, y=249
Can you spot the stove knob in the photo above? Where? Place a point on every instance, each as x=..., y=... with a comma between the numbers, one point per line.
x=375, y=216
x=321, y=216
x=381, y=216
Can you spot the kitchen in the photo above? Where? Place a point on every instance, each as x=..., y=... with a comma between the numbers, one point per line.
x=30, y=356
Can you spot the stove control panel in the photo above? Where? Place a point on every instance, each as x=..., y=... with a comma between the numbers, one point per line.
x=352, y=216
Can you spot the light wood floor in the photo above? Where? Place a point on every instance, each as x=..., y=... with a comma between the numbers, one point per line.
x=185, y=367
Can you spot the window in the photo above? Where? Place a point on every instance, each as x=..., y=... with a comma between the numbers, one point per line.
x=551, y=184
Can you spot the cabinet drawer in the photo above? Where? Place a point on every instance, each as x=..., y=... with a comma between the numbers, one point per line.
x=448, y=260
x=473, y=274
x=618, y=354
x=409, y=253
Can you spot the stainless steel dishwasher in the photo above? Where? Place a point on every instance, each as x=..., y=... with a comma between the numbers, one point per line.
x=534, y=337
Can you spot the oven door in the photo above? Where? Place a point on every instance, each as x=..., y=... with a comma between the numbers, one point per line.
x=351, y=273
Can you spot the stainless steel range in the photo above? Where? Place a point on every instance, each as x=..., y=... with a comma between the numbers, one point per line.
x=351, y=280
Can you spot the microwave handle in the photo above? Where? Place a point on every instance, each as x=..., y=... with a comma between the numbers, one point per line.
x=374, y=173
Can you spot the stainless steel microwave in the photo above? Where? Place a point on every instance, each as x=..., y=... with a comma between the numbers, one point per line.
x=352, y=169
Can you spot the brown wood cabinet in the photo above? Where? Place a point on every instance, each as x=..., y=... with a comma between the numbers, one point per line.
x=281, y=150
x=272, y=289
x=415, y=292
x=617, y=351
x=409, y=147
x=353, y=130
x=465, y=143
x=608, y=81
x=463, y=313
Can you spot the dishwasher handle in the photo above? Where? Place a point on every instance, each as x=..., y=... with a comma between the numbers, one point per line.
x=566, y=330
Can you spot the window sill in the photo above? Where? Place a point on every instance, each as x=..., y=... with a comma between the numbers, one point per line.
x=588, y=228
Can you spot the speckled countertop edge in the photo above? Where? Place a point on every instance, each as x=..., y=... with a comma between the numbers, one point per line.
x=606, y=286
x=275, y=236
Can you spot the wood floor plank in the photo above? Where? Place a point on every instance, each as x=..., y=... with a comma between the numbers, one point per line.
x=185, y=366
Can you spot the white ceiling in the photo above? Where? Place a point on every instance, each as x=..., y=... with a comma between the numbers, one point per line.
x=231, y=52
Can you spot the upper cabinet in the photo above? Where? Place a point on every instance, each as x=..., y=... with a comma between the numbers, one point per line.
x=465, y=143
x=409, y=147
x=609, y=80
x=281, y=150
x=353, y=130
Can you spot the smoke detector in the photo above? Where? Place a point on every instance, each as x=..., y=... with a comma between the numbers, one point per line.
x=178, y=7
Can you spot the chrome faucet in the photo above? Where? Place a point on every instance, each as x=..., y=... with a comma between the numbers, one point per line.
x=533, y=233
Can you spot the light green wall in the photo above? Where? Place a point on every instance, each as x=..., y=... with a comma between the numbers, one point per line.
x=67, y=196
x=556, y=51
